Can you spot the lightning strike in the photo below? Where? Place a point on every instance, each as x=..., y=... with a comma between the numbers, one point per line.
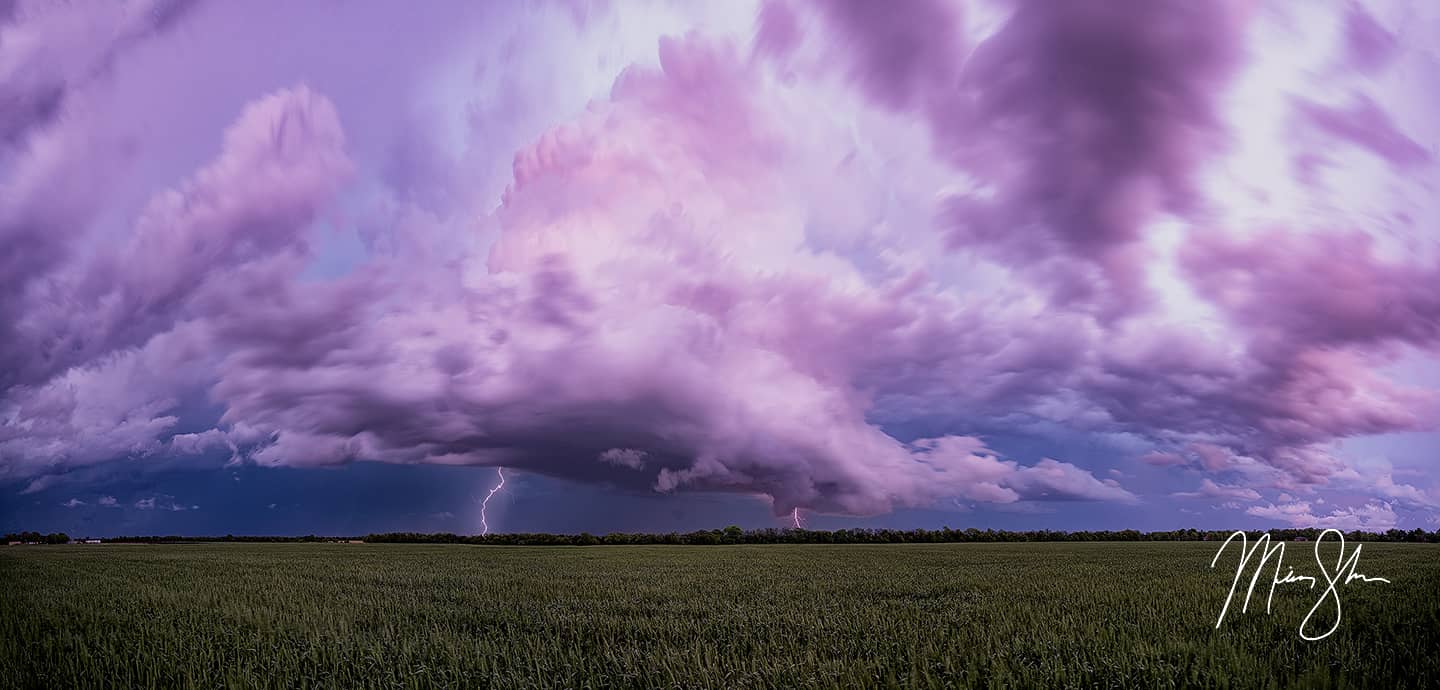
x=484, y=525
x=795, y=517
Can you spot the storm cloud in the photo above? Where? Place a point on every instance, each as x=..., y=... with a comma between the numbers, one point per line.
x=820, y=253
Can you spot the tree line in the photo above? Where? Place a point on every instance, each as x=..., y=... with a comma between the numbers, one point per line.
x=177, y=539
x=62, y=538
x=37, y=538
x=735, y=535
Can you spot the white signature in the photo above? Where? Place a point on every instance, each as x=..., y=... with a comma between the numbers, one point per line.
x=1344, y=574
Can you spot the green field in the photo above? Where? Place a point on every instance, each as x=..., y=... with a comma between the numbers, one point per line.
x=987, y=615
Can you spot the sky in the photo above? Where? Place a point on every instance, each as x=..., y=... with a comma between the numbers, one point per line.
x=289, y=268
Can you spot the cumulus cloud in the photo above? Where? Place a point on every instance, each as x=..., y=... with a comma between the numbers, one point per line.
x=1376, y=476
x=123, y=336
x=624, y=457
x=1321, y=310
x=162, y=503
x=73, y=503
x=1374, y=516
x=640, y=298
x=54, y=166
x=1210, y=489
x=1079, y=121
x=1144, y=99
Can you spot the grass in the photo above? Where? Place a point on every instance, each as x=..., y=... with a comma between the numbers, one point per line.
x=981, y=615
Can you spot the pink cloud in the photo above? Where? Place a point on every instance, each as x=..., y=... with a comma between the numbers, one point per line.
x=1371, y=516
x=618, y=310
x=1160, y=459
x=51, y=52
x=1368, y=45
x=740, y=267
x=1080, y=121
x=1364, y=124
x=901, y=59
x=777, y=29
x=1210, y=489
x=624, y=457
x=121, y=337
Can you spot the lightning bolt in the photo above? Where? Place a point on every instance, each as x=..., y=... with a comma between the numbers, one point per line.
x=485, y=526
x=795, y=517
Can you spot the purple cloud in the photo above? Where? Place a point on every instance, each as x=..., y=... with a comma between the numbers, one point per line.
x=1080, y=121
x=114, y=338
x=1368, y=45
x=1373, y=517
x=162, y=503
x=51, y=51
x=1366, y=125
x=624, y=457
x=901, y=59
x=836, y=262
x=704, y=377
x=1210, y=489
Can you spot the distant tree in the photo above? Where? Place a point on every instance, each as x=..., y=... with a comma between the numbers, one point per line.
x=733, y=534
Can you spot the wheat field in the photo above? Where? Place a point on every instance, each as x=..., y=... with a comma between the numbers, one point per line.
x=898, y=616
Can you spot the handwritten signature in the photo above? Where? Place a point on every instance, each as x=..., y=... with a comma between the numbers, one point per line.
x=1344, y=574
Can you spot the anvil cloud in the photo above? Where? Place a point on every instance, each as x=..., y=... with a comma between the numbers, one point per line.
x=833, y=254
